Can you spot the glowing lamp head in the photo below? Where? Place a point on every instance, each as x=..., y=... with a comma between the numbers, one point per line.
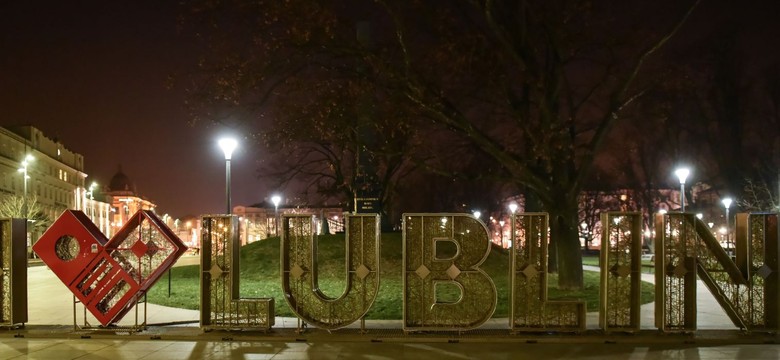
x=682, y=174
x=727, y=202
x=513, y=207
x=228, y=145
x=276, y=199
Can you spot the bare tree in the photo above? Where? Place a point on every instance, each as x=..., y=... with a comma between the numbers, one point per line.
x=12, y=206
x=759, y=195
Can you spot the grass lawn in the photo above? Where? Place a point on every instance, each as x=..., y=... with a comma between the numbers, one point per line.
x=260, y=278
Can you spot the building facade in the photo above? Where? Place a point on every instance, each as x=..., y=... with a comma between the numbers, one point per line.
x=36, y=168
x=261, y=221
x=54, y=173
x=125, y=202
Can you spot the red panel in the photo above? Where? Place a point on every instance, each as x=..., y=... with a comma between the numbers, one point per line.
x=100, y=274
x=90, y=241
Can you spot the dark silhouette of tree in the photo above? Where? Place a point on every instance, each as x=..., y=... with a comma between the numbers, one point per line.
x=537, y=86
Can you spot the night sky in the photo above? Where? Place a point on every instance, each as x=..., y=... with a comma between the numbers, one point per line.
x=95, y=75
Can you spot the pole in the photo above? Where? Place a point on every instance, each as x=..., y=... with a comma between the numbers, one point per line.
x=728, y=230
x=227, y=185
x=682, y=196
x=24, y=200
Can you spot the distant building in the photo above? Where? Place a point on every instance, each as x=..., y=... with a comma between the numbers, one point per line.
x=55, y=175
x=125, y=202
x=260, y=221
x=96, y=207
x=188, y=230
x=257, y=223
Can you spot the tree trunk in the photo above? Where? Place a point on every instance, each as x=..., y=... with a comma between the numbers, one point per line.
x=563, y=233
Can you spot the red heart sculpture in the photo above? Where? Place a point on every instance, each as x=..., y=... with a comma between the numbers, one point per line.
x=109, y=276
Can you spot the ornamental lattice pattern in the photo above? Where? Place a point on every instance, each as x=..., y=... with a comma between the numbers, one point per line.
x=221, y=305
x=743, y=281
x=429, y=268
x=299, y=271
x=621, y=271
x=13, y=272
x=109, y=276
x=531, y=310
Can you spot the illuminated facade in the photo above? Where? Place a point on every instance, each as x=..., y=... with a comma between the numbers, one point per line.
x=97, y=211
x=258, y=222
x=55, y=174
x=124, y=200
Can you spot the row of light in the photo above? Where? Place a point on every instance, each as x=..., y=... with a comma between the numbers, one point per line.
x=682, y=174
x=512, y=209
x=228, y=145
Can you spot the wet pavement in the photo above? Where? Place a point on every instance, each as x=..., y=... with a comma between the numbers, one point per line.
x=50, y=334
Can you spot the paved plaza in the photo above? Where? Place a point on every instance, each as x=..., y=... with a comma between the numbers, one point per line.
x=211, y=349
x=174, y=334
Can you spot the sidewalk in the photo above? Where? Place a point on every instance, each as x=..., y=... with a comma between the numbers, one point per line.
x=50, y=302
x=710, y=315
x=117, y=349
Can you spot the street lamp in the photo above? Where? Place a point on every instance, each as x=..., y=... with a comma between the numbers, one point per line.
x=682, y=174
x=477, y=214
x=276, y=199
x=512, y=209
x=228, y=145
x=92, y=188
x=585, y=234
x=27, y=160
x=90, y=193
x=727, y=204
x=501, y=223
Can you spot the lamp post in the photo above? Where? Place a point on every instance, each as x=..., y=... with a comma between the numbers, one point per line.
x=92, y=188
x=27, y=159
x=228, y=145
x=91, y=195
x=501, y=224
x=727, y=204
x=682, y=174
x=477, y=214
x=276, y=199
x=512, y=209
